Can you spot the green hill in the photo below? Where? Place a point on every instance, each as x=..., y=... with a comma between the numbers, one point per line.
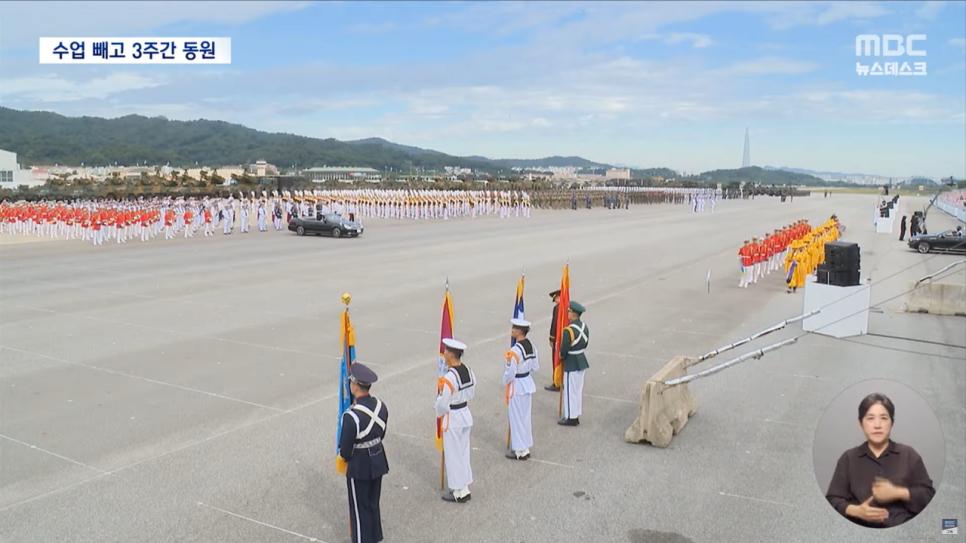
x=754, y=174
x=40, y=137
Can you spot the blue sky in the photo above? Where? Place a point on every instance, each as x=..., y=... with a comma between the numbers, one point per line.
x=643, y=84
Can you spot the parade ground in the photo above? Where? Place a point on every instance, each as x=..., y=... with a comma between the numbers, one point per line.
x=186, y=390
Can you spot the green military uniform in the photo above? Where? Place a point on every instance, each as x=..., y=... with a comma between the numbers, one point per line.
x=573, y=344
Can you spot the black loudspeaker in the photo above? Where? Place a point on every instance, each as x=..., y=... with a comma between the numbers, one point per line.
x=821, y=274
x=843, y=278
x=842, y=256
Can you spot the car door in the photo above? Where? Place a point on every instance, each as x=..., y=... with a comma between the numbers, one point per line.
x=321, y=224
x=950, y=241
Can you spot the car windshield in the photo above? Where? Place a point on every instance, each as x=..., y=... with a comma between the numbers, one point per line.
x=332, y=217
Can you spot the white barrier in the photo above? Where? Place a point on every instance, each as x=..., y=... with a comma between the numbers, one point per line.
x=845, y=310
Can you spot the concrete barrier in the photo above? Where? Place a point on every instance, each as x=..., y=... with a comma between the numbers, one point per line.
x=664, y=410
x=937, y=299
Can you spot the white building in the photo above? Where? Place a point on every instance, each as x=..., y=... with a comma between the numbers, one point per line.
x=618, y=173
x=12, y=175
x=261, y=168
x=342, y=174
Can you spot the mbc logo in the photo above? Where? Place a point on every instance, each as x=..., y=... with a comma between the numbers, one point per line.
x=888, y=45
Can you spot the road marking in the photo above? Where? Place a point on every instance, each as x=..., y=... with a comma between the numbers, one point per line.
x=754, y=499
x=52, y=453
x=260, y=523
x=139, y=378
x=532, y=459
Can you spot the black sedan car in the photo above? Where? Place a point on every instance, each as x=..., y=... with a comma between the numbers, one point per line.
x=950, y=241
x=331, y=224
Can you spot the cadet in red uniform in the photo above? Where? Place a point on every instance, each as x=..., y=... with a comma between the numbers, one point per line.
x=746, y=264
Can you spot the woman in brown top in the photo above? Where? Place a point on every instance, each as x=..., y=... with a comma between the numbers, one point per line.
x=880, y=483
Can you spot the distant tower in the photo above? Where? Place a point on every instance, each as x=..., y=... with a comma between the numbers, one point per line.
x=746, y=156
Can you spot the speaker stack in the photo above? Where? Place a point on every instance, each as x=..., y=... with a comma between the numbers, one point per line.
x=841, y=267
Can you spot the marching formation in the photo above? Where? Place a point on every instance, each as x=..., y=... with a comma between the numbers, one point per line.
x=761, y=256
x=808, y=252
x=417, y=204
x=798, y=248
x=109, y=220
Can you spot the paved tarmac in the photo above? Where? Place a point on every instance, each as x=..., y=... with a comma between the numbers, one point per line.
x=186, y=390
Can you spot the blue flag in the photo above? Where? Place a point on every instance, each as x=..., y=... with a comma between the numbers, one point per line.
x=348, y=358
x=518, y=305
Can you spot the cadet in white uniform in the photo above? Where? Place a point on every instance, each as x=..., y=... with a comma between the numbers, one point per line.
x=521, y=362
x=458, y=386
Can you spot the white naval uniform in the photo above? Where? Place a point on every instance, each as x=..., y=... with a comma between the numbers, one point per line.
x=457, y=423
x=517, y=377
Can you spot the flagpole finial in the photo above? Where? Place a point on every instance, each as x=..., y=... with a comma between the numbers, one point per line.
x=346, y=298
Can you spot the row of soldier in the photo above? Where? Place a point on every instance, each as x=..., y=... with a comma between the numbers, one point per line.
x=106, y=220
x=417, y=204
x=362, y=458
x=762, y=255
x=808, y=253
x=797, y=248
x=624, y=197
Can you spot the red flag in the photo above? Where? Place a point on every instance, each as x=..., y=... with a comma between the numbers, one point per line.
x=563, y=320
x=445, y=331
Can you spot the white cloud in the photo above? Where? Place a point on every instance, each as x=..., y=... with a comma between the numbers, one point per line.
x=930, y=10
x=958, y=42
x=790, y=14
x=54, y=88
x=25, y=21
x=767, y=66
x=879, y=106
x=698, y=41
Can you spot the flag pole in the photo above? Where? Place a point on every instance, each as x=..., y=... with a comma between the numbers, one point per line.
x=442, y=448
x=562, y=313
x=346, y=299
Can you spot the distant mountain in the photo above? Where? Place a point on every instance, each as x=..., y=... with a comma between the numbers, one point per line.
x=666, y=173
x=551, y=162
x=40, y=137
x=868, y=178
x=754, y=174
x=409, y=149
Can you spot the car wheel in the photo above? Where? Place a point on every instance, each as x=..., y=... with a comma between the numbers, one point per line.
x=300, y=231
x=336, y=233
x=923, y=247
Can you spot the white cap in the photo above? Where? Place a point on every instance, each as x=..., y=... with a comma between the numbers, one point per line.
x=454, y=344
x=520, y=323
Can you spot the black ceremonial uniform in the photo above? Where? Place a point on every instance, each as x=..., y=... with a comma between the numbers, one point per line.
x=363, y=429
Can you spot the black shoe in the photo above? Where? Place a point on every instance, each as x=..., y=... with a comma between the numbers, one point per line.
x=449, y=497
x=568, y=422
x=552, y=388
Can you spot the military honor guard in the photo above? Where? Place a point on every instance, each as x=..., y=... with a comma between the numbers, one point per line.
x=576, y=337
x=458, y=386
x=361, y=455
x=554, y=297
x=244, y=207
x=521, y=362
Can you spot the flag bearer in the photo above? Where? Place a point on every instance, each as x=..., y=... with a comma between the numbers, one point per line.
x=576, y=337
x=361, y=456
x=554, y=298
x=521, y=362
x=458, y=388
